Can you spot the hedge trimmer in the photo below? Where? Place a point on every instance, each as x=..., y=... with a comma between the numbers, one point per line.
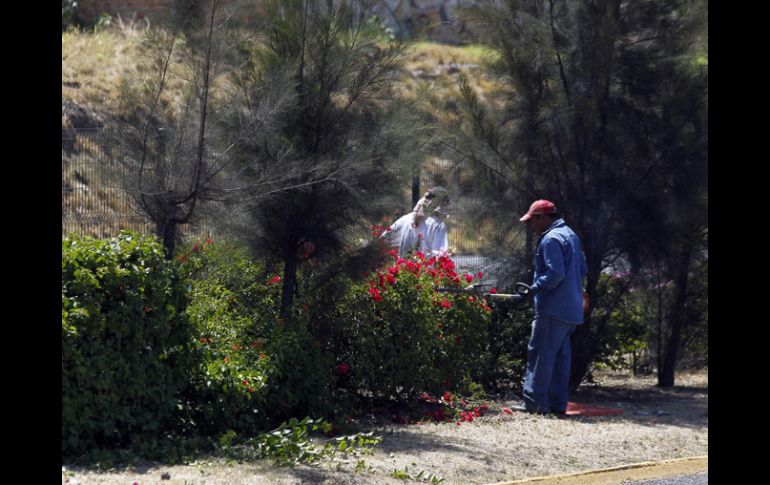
x=521, y=291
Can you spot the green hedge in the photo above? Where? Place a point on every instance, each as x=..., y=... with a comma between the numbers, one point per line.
x=127, y=351
x=196, y=348
x=232, y=310
x=257, y=368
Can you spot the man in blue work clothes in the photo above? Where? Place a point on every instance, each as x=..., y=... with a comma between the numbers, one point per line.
x=558, y=299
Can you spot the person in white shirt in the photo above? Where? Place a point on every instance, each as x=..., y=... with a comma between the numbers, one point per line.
x=423, y=229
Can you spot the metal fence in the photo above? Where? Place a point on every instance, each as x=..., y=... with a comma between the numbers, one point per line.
x=94, y=199
x=94, y=202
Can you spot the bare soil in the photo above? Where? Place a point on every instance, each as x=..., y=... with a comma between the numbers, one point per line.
x=656, y=424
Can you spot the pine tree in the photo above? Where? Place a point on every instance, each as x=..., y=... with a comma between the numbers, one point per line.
x=608, y=100
x=339, y=150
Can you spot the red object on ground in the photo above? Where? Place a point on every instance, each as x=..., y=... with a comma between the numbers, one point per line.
x=577, y=409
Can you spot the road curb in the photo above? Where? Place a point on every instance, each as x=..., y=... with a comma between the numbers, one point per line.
x=615, y=475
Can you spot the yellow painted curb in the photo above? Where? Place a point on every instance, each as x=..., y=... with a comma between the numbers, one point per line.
x=615, y=475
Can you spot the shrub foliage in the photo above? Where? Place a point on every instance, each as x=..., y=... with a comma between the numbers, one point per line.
x=126, y=343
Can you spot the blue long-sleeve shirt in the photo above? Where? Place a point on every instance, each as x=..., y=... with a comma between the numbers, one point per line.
x=560, y=267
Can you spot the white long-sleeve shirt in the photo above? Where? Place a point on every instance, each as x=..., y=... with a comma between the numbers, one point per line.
x=431, y=234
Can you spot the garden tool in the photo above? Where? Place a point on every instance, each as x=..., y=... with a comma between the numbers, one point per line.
x=521, y=290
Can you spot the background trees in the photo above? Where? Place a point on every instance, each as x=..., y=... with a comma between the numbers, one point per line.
x=293, y=135
x=164, y=142
x=607, y=116
x=338, y=149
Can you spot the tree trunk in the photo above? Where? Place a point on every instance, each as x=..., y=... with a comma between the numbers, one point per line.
x=166, y=231
x=289, y=283
x=582, y=355
x=583, y=341
x=676, y=319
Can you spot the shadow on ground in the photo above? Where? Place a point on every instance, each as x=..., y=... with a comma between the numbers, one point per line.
x=685, y=406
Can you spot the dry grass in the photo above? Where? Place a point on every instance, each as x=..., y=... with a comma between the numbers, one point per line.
x=657, y=424
x=432, y=71
x=94, y=63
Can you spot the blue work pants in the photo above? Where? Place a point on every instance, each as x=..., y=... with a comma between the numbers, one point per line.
x=549, y=355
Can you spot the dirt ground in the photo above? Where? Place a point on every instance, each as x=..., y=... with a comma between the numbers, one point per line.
x=656, y=424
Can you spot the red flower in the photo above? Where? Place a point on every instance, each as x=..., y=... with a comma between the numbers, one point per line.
x=445, y=303
x=245, y=382
x=420, y=254
x=448, y=397
x=393, y=270
x=375, y=294
x=391, y=279
x=343, y=369
x=446, y=263
x=468, y=277
x=492, y=291
x=275, y=279
x=251, y=389
x=480, y=274
x=471, y=299
x=393, y=253
x=377, y=230
x=507, y=411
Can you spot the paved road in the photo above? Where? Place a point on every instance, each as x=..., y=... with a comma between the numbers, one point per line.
x=693, y=479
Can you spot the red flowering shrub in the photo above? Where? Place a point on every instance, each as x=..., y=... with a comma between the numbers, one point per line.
x=233, y=310
x=401, y=338
x=259, y=367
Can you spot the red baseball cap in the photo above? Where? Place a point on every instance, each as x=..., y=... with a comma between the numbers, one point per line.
x=541, y=206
